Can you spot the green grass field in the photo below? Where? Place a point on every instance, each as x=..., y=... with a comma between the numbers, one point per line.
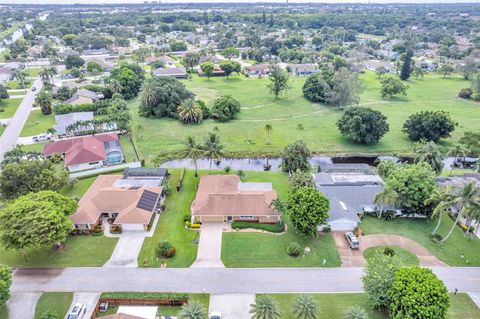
x=406, y=257
x=56, y=302
x=451, y=252
x=333, y=306
x=320, y=132
x=37, y=123
x=3, y=312
x=15, y=84
x=9, y=108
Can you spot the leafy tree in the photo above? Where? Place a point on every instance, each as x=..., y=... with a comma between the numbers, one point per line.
x=279, y=81
x=345, y=88
x=446, y=70
x=305, y=307
x=44, y=101
x=469, y=66
x=5, y=282
x=417, y=293
x=392, y=86
x=230, y=52
x=21, y=178
x=130, y=77
x=212, y=148
x=4, y=92
x=476, y=88
x=417, y=72
x=301, y=179
x=407, y=65
x=355, y=312
x=73, y=61
x=363, y=125
x=161, y=96
x=178, y=46
x=386, y=196
x=21, y=76
x=225, y=108
x=17, y=155
x=207, y=68
x=317, y=87
x=429, y=126
x=413, y=183
x=229, y=67
x=430, y=153
x=192, y=310
x=471, y=140
x=378, y=278
x=381, y=71
x=295, y=158
x=48, y=211
x=386, y=167
x=189, y=112
x=265, y=307
x=307, y=208
x=191, y=59
x=94, y=67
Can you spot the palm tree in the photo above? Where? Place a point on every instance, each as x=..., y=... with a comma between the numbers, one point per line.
x=44, y=101
x=212, y=148
x=148, y=94
x=265, y=308
x=355, y=312
x=268, y=130
x=300, y=128
x=387, y=196
x=45, y=76
x=116, y=86
x=193, y=151
x=53, y=71
x=305, y=307
x=430, y=153
x=190, y=112
x=278, y=206
x=192, y=310
x=457, y=150
x=440, y=197
x=241, y=174
x=20, y=75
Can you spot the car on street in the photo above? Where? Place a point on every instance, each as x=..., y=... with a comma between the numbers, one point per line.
x=42, y=138
x=352, y=240
x=34, y=88
x=78, y=311
x=215, y=315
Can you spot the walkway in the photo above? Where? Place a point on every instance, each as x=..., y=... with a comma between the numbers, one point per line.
x=354, y=258
x=107, y=169
x=210, y=246
x=232, y=306
x=22, y=305
x=127, y=249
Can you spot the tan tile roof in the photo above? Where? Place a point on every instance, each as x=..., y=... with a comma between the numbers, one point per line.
x=102, y=197
x=219, y=195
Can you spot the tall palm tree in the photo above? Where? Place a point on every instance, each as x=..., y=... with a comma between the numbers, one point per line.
x=457, y=150
x=430, y=153
x=192, y=310
x=300, y=128
x=44, y=75
x=190, y=112
x=439, y=197
x=212, y=148
x=194, y=151
x=268, y=130
x=44, y=101
x=148, y=94
x=278, y=206
x=305, y=307
x=53, y=71
x=265, y=308
x=20, y=75
x=116, y=86
x=387, y=196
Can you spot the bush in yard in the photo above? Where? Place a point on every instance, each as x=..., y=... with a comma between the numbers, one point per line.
x=417, y=293
x=295, y=158
x=429, y=126
x=5, y=282
x=389, y=252
x=307, y=208
x=49, y=315
x=225, y=108
x=165, y=249
x=355, y=312
x=363, y=125
x=294, y=249
x=465, y=93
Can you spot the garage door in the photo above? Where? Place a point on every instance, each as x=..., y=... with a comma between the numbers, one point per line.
x=212, y=219
x=342, y=226
x=132, y=227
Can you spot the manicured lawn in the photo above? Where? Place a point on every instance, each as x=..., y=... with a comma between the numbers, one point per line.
x=3, y=312
x=57, y=302
x=9, y=108
x=79, y=188
x=243, y=249
x=333, y=306
x=406, y=257
x=37, y=123
x=79, y=251
x=37, y=147
x=128, y=150
x=33, y=72
x=15, y=84
x=320, y=131
x=451, y=252
x=2, y=128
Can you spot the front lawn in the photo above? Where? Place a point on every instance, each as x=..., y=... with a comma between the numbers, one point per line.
x=406, y=257
x=458, y=250
x=79, y=251
x=37, y=123
x=242, y=249
x=9, y=107
x=56, y=302
x=3, y=312
x=333, y=306
x=16, y=85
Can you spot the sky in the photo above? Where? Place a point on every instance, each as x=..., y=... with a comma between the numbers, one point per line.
x=237, y=1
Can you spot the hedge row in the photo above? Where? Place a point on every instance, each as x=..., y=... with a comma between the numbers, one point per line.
x=273, y=228
x=144, y=295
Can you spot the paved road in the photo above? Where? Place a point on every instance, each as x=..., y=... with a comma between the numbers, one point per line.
x=217, y=280
x=9, y=138
x=22, y=305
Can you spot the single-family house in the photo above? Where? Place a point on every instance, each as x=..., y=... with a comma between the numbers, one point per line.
x=178, y=72
x=224, y=198
x=257, y=70
x=5, y=74
x=217, y=71
x=84, y=97
x=132, y=207
x=304, y=69
x=63, y=121
x=87, y=152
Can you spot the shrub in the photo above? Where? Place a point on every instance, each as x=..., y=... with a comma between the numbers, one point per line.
x=116, y=229
x=165, y=249
x=389, y=252
x=465, y=93
x=187, y=218
x=363, y=125
x=436, y=238
x=294, y=249
x=429, y=126
x=195, y=226
x=274, y=228
x=355, y=312
x=225, y=108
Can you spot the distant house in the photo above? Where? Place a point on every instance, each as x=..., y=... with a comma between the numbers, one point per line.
x=373, y=65
x=122, y=50
x=217, y=71
x=84, y=97
x=130, y=206
x=87, y=152
x=224, y=198
x=35, y=52
x=13, y=65
x=304, y=69
x=103, y=60
x=351, y=189
x=178, y=72
x=5, y=74
x=388, y=54
x=257, y=70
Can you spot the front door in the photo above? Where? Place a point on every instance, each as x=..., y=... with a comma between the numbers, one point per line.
x=229, y=219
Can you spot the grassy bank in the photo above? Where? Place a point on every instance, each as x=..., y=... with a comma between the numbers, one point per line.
x=56, y=302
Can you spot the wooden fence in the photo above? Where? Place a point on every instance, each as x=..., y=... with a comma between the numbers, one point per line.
x=138, y=302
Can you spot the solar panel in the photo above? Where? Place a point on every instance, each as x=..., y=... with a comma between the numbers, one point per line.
x=148, y=200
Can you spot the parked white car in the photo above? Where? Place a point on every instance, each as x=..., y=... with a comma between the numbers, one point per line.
x=78, y=311
x=42, y=138
x=215, y=315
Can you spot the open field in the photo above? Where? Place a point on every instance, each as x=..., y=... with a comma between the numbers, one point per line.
x=320, y=132
x=56, y=302
x=10, y=107
x=333, y=306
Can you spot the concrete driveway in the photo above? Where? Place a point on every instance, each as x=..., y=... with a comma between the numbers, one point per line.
x=127, y=249
x=354, y=258
x=22, y=305
x=90, y=299
x=232, y=306
x=210, y=246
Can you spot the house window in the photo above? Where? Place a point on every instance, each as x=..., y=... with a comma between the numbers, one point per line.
x=247, y=217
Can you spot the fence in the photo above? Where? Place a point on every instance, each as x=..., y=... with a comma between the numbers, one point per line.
x=138, y=302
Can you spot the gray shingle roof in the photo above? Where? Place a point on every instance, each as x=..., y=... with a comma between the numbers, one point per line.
x=64, y=120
